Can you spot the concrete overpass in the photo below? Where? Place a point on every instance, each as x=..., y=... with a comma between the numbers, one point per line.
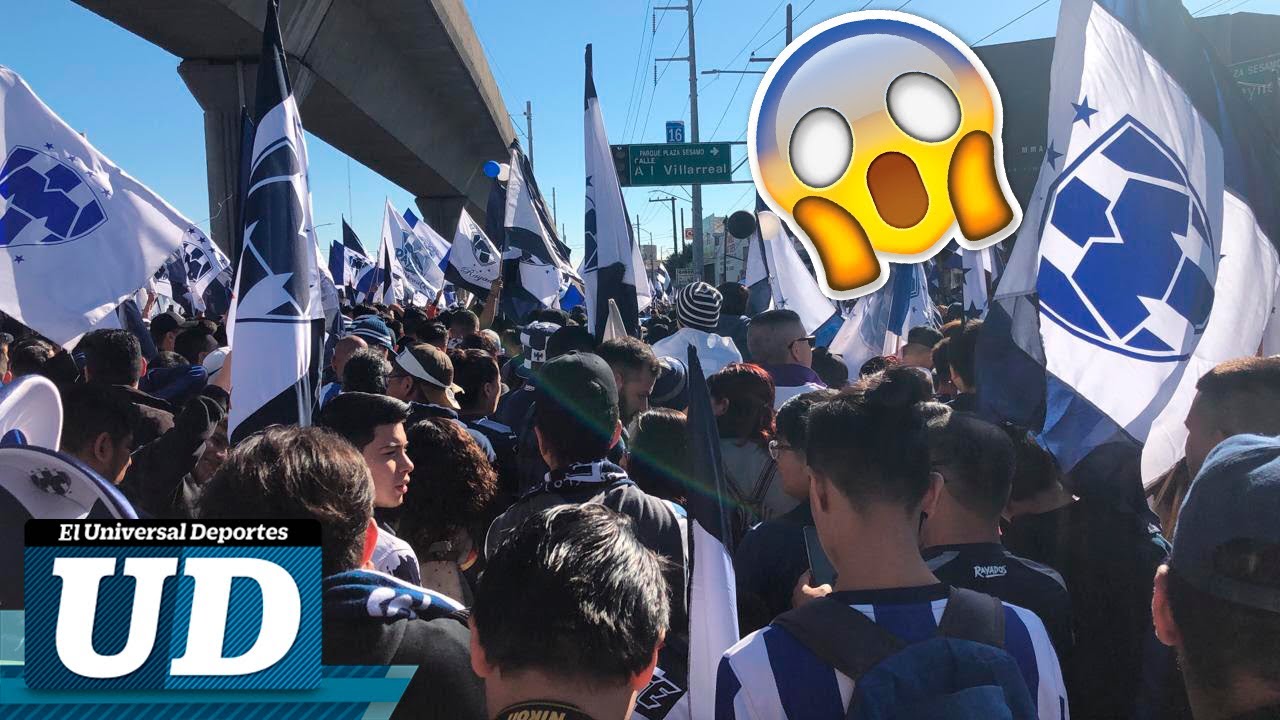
x=400, y=85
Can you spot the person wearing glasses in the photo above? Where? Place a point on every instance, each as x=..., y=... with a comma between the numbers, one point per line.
x=772, y=557
x=780, y=345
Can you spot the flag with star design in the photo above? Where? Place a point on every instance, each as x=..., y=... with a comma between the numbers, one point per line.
x=1149, y=251
x=277, y=330
x=612, y=268
x=77, y=233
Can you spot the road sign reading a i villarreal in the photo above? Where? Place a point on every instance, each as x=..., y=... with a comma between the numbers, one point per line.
x=673, y=163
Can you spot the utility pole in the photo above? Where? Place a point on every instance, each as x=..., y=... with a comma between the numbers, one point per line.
x=692, y=59
x=555, y=215
x=681, y=229
x=672, y=200
x=528, y=124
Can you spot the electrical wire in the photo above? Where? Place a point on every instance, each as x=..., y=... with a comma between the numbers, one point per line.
x=1035, y=7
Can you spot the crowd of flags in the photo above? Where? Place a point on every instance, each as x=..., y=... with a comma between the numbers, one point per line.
x=1117, y=296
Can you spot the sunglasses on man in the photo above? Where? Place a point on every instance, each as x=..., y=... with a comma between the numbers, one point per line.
x=810, y=339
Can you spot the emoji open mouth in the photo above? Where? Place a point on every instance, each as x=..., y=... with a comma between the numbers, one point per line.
x=847, y=257
x=897, y=190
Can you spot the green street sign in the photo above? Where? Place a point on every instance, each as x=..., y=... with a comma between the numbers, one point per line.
x=673, y=164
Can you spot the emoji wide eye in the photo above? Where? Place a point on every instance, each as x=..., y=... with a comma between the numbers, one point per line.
x=923, y=107
x=821, y=147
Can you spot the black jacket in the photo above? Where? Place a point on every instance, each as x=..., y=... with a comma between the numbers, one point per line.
x=443, y=686
x=159, y=482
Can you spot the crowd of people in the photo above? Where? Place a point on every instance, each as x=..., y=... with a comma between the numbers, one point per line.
x=502, y=505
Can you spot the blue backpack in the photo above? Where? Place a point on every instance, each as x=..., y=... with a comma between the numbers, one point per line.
x=961, y=673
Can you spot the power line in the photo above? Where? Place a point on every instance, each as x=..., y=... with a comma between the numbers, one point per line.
x=793, y=18
x=728, y=105
x=640, y=73
x=1208, y=7
x=1035, y=7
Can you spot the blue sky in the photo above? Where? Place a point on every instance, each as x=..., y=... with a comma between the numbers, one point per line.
x=126, y=94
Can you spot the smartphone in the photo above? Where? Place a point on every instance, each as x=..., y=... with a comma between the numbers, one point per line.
x=820, y=569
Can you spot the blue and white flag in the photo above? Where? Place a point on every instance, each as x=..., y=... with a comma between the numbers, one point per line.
x=612, y=268
x=430, y=251
x=385, y=283
x=1149, y=251
x=348, y=262
x=423, y=253
x=277, y=329
x=77, y=234
x=879, y=323
x=406, y=268
x=977, y=266
x=474, y=261
x=713, y=604
x=207, y=272
x=534, y=259
x=774, y=264
x=661, y=283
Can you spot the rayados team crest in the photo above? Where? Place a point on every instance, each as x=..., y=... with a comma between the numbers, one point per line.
x=44, y=200
x=1128, y=258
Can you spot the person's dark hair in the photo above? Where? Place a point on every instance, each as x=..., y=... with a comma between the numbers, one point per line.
x=363, y=309
x=963, y=352
x=112, y=357
x=658, y=457
x=355, y=415
x=1035, y=468
x=433, y=332
x=88, y=410
x=1223, y=641
x=877, y=364
x=793, y=417
x=734, y=297
x=471, y=370
x=480, y=341
x=578, y=315
x=658, y=329
x=627, y=355
x=366, y=371
x=453, y=485
x=942, y=360
x=977, y=460
x=570, y=338
x=193, y=341
x=924, y=335
x=601, y=607
x=749, y=390
x=414, y=318
x=396, y=328
x=466, y=320
x=831, y=368
x=288, y=472
x=552, y=315
x=899, y=385
x=166, y=359
x=29, y=355
x=871, y=446
x=1243, y=395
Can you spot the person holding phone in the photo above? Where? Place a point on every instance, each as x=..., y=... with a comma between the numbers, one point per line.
x=775, y=554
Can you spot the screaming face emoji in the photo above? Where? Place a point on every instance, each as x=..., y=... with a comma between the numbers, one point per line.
x=879, y=134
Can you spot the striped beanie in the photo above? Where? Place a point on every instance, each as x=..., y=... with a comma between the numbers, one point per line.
x=698, y=306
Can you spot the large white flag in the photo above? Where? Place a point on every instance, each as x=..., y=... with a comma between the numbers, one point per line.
x=1148, y=255
x=278, y=324
x=424, y=252
x=474, y=261
x=772, y=258
x=612, y=268
x=407, y=268
x=77, y=234
x=531, y=243
x=880, y=321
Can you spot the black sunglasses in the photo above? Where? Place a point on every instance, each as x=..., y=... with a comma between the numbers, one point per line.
x=813, y=341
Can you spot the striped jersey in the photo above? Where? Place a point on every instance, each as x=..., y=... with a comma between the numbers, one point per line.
x=769, y=675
